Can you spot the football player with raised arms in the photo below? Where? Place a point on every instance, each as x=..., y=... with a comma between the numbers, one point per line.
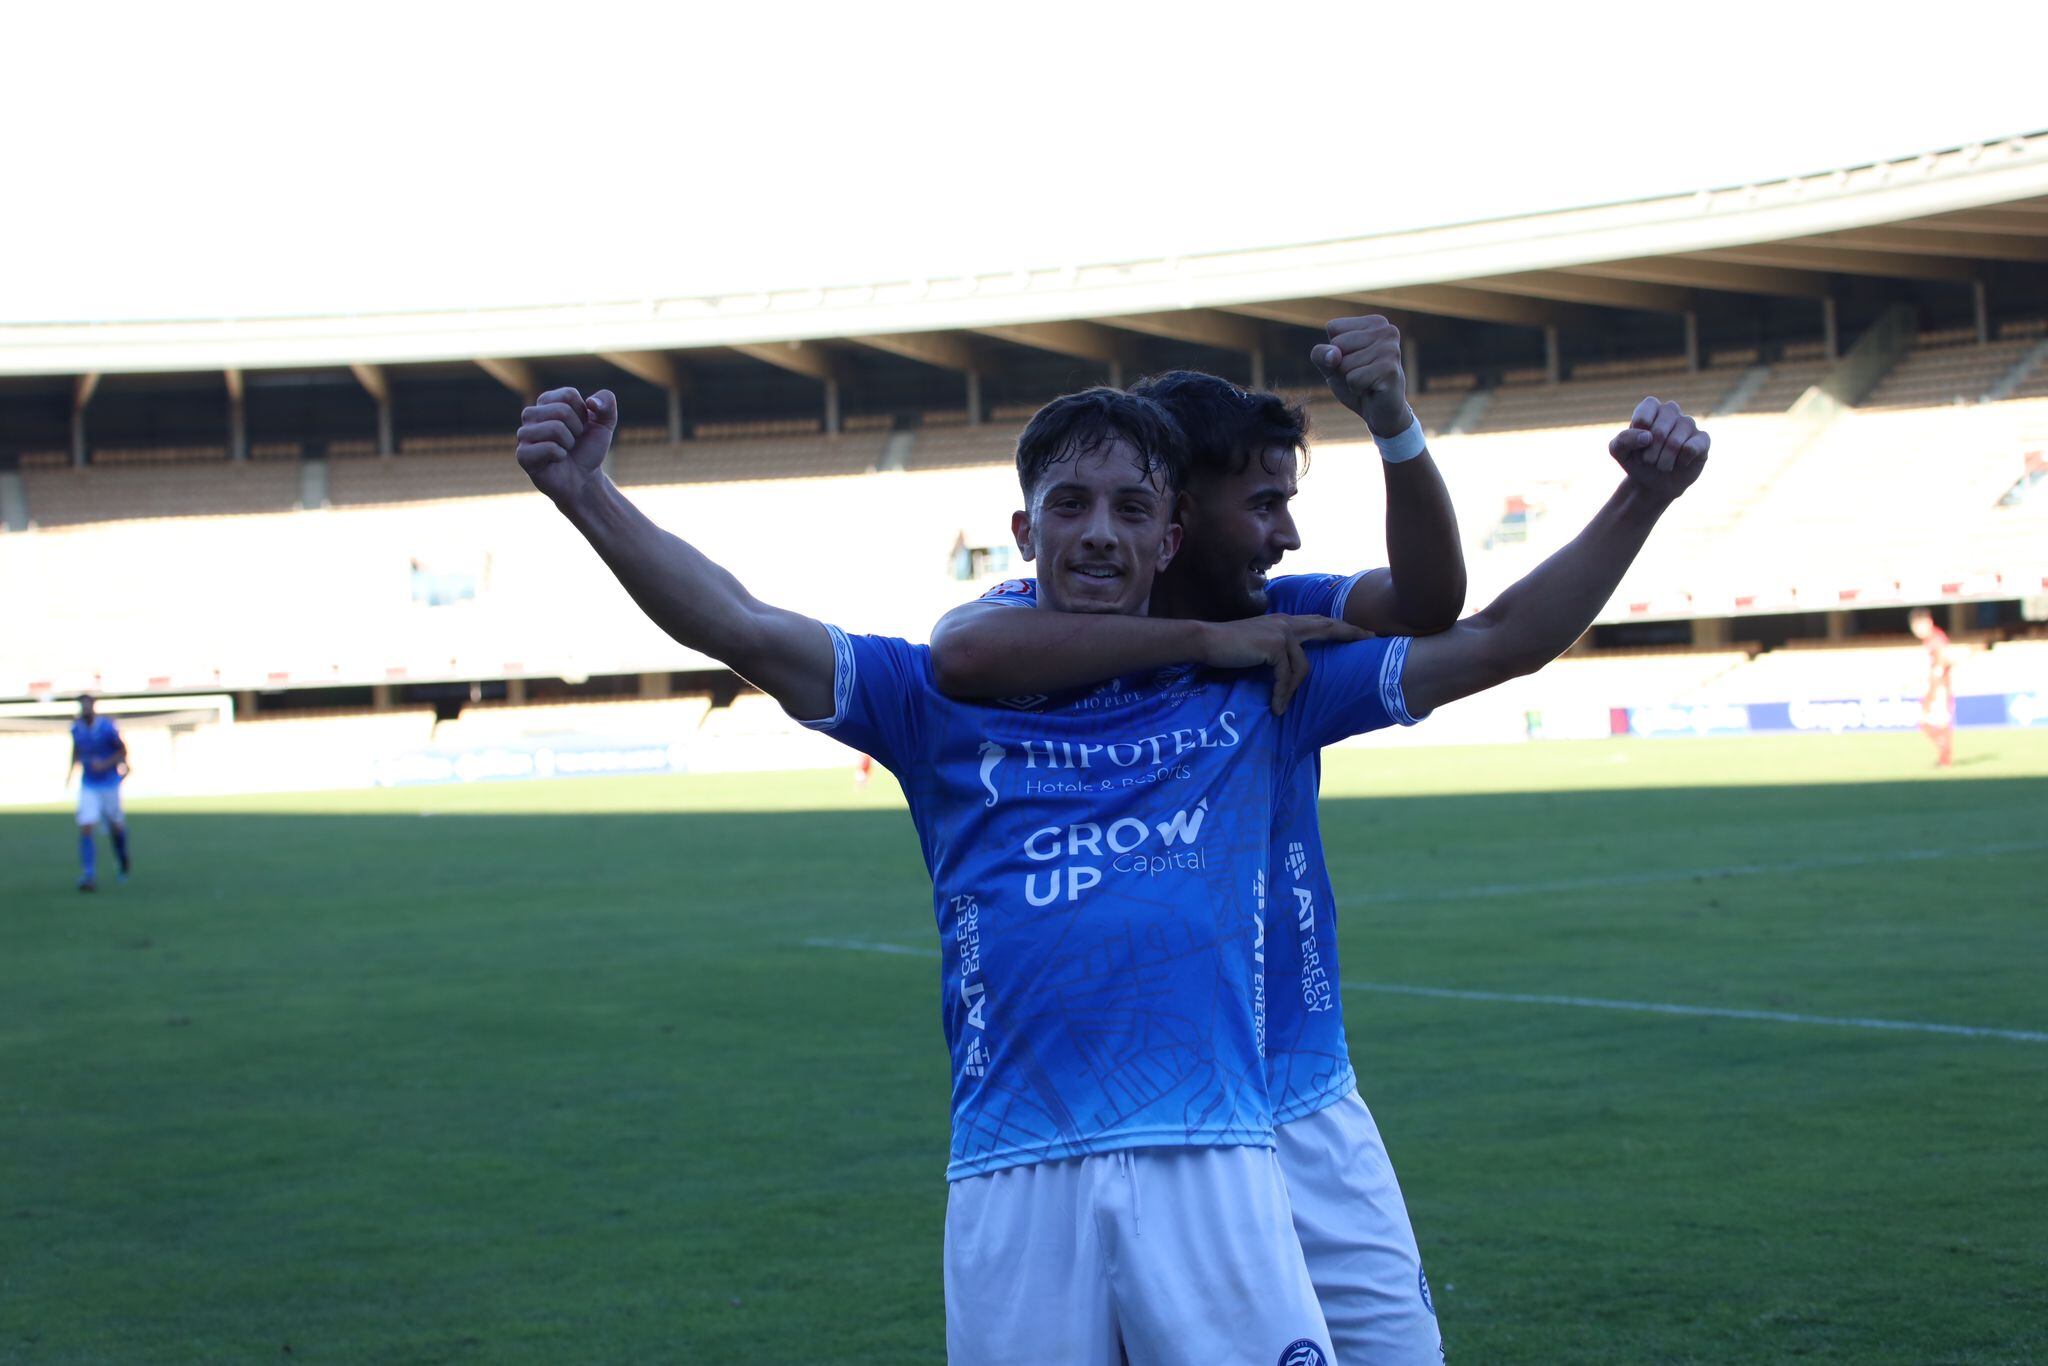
x=1098, y=864
x=1245, y=451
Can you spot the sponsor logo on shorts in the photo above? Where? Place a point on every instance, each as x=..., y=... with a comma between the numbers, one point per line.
x=1303, y=1352
x=1422, y=1283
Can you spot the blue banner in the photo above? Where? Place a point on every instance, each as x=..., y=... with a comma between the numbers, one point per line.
x=1833, y=716
x=564, y=758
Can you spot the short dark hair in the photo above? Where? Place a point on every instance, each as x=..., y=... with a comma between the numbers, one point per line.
x=1075, y=425
x=1226, y=425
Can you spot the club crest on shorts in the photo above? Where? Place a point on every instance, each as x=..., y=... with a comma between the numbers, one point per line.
x=1422, y=1283
x=1303, y=1352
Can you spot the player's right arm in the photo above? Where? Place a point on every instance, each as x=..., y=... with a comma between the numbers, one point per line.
x=1538, y=618
x=988, y=649
x=563, y=439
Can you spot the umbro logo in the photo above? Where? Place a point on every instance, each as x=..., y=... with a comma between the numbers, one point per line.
x=1025, y=702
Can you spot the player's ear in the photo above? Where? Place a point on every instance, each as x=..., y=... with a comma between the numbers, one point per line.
x=1020, y=527
x=1169, y=545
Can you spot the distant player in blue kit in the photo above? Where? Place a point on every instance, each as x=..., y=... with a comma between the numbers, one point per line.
x=98, y=750
x=1100, y=882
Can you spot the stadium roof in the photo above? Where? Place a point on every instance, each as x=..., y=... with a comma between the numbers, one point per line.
x=1947, y=216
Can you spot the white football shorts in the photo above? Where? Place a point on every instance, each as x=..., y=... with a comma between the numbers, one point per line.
x=1354, y=1232
x=1153, y=1256
x=99, y=804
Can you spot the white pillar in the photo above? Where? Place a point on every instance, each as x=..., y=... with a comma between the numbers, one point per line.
x=1411, y=362
x=1830, y=329
x=1980, y=298
x=1553, y=355
x=387, y=440
x=78, y=438
x=974, y=408
x=1116, y=374
x=1692, y=340
x=1258, y=367
x=832, y=407
x=675, y=414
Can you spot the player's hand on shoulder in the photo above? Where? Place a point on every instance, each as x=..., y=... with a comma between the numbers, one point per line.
x=1662, y=451
x=1274, y=640
x=564, y=437
x=1362, y=365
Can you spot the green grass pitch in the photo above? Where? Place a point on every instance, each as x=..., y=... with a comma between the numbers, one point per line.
x=550, y=1073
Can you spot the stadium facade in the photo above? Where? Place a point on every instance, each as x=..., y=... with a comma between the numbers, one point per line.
x=309, y=513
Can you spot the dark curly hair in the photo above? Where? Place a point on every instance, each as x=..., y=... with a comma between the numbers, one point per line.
x=1226, y=425
x=1075, y=425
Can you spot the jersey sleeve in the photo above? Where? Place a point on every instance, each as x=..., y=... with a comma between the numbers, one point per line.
x=1012, y=593
x=1350, y=689
x=1312, y=595
x=881, y=687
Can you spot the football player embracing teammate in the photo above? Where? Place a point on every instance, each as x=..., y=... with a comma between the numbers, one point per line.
x=1246, y=451
x=1098, y=860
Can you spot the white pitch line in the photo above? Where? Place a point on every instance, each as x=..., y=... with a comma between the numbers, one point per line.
x=1710, y=1012
x=873, y=946
x=1580, y=1002
x=1652, y=877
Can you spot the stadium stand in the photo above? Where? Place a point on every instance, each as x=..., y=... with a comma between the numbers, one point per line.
x=1785, y=381
x=1946, y=367
x=1809, y=671
x=1577, y=402
x=732, y=460
x=144, y=492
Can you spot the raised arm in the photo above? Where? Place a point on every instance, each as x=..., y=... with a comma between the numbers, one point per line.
x=1537, y=619
x=1422, y=589
x=988, y=649
x=563, y=439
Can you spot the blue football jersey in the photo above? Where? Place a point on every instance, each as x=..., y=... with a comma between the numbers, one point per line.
x=1099, y=878
x=1308, y=1058
x=98, y=742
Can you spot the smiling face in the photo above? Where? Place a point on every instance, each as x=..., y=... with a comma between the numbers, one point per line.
x=1100, y=527
x=1238, y=527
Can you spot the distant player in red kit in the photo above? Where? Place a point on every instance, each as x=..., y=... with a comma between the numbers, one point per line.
x=1938, y=707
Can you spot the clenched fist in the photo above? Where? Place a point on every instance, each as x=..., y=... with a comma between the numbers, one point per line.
x=563, y=440
x=1362, y=365
x=1661, y=450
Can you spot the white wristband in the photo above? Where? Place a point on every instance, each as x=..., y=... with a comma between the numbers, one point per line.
x=1406, y=446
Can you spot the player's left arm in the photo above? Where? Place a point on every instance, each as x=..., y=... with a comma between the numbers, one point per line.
x=1662, y=452
x=1422, y=589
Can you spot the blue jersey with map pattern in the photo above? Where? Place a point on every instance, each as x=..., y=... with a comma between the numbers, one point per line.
x=1308, y=1057
x=1099, y=877
x=97, y=742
